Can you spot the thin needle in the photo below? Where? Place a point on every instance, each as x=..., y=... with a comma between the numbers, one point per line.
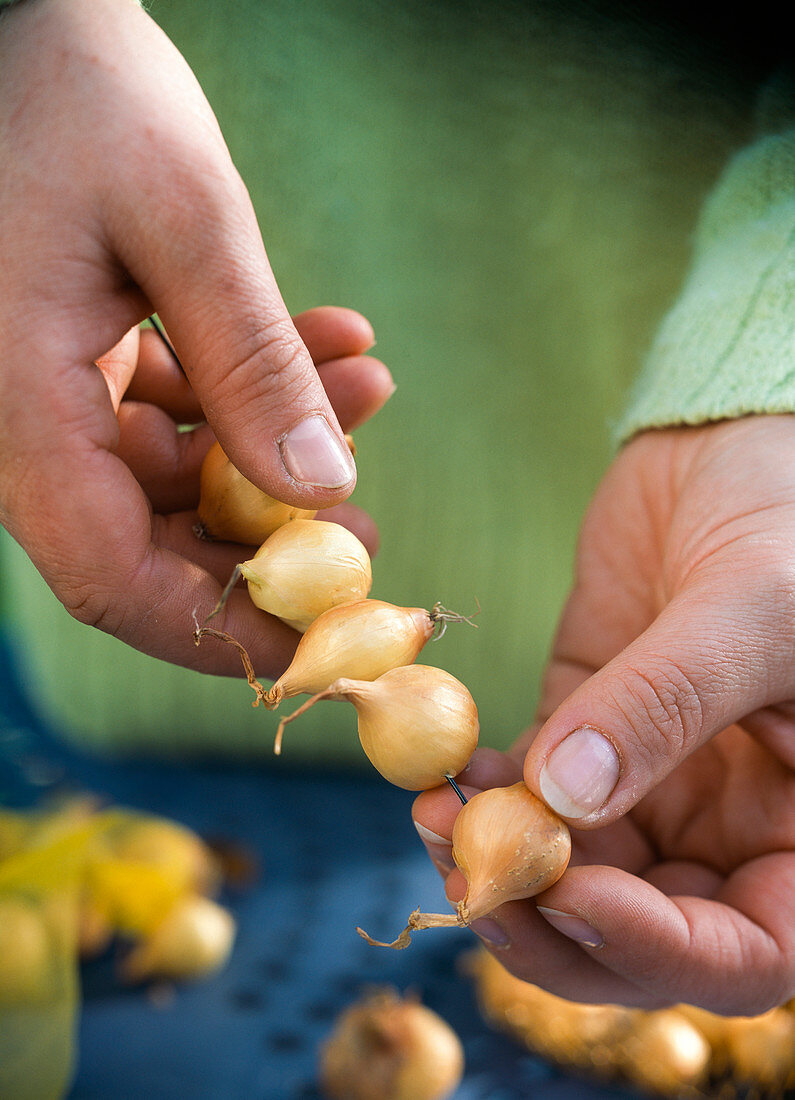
x=161, y=332
x=457, y=789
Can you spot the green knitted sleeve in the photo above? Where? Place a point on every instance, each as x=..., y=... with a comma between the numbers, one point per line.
x=727, y=347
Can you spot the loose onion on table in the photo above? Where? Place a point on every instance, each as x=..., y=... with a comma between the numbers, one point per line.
x=509, y=845
x=761, y=1049
x=390, y=1048
x=417, y=724
x=571, y=1033
x=665, y=1053
x=193, y=939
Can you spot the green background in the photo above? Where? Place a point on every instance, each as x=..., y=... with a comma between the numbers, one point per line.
x=508, y=193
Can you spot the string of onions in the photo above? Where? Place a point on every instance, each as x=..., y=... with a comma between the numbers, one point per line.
x=417, y=724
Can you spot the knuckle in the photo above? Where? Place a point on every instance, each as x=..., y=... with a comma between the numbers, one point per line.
x=661, y=703
x=89, y=604
x=269, y=368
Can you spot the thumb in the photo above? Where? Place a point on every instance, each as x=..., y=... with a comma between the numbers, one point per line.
x=194, y=248
x=251, y=371
x=708, y=660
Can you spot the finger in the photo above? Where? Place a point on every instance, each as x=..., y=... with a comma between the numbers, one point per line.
x=166, y=462
x=693, y=672
x=206, y=272
x=733, y=953
x=329, y=333
x=333, y=332
x=159, y=380
x=358, y=387
x=434, y=811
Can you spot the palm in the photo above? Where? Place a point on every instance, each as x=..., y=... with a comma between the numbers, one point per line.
x=686, y=552
x=732, y=800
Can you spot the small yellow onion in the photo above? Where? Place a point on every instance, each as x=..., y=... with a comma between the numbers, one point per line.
x=665, y=1052
x=305, y=568
x=509, y=845
x=233, y=509
x=25, y=952
x=194, y=939
x=360, y=641
x=417, y=724
x=389, y=1048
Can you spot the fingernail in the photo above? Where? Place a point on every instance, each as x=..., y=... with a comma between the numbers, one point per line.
x=579, y=774
x=312, y=453
x=489, y=930
x=574, y=927
x=432, y=838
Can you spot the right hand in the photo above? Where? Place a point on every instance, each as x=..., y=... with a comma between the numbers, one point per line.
x=118, y=198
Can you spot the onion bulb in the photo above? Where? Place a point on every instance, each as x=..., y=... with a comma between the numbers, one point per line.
x=305, y=568
x=194, y=939
x=508, y=845
x=233, y=509
x=388, y=1048
x=360, y=640
x=417, y=724
x=665, y=1052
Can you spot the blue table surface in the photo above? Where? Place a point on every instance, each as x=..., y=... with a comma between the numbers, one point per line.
x=333, y=851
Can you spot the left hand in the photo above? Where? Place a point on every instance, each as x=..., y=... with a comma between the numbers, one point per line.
x=670, y=699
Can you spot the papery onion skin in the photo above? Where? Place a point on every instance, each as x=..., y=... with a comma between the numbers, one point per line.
x=508, y=845
x=417, y=724
x=360, y=641
x=233, y=509
x=305, y=568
